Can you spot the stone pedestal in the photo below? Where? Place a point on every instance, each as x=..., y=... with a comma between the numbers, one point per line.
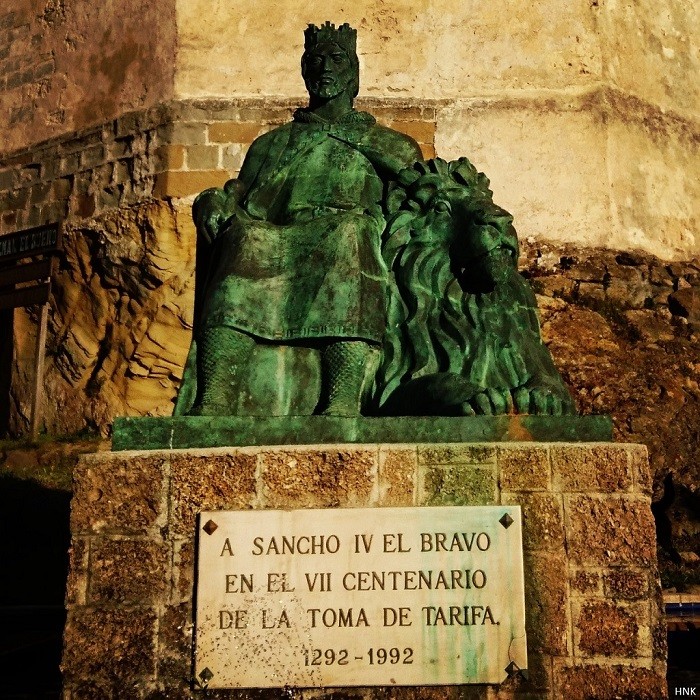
x=593, y=610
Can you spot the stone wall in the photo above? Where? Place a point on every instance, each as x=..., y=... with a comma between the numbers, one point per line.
x=622, y=326
x=70, y=64
x=450, y=50
x=593, y=614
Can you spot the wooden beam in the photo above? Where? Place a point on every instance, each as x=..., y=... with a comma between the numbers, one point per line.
x=28, y=272
x=39, y=372
x=26, y=296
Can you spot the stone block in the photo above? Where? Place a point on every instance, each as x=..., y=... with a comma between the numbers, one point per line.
x=101, y=175
x=39, y=191
x=397, y=476
x=202, y=157
x=456, y=453
x=70, y=163
x=120, y=148
x=128, y=571
x=233, y=132
x=658, y=631
x=546, y=596
x=128, y=124
x=54, y=211
x=601, y=468
x=543, y=520
x=123, y=495
x=187, y=134
x=122, y=171
x=585, y=582
x=421, y=131
x=318, y=478
x=608, y=531
x=92, y=156
x=34, y=216
x=593, y=682
x=641, y=471
x=625, y=583
x=169, y=157
x=183, y=570
x=427, y=151
x=89, y=689
x=461, y=485
x=217, y=480
x=184, y=183
x=398, y=112
x=76, y=585
x=50, y=166
x=175, y=638
x=62, y=187
x=604, y=628
x=125, y=637
x=523, y=468
x=232, y=157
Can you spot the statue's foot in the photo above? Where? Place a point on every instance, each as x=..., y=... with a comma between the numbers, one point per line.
x=489, y=402
x=543, y=401
x=209, y=409
x=341, y=411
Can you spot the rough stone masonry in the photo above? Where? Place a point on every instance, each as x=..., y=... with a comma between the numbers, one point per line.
x=592, y=600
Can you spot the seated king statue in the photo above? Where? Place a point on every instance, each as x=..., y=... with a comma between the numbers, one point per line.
x=295, y=242
x=342, y=268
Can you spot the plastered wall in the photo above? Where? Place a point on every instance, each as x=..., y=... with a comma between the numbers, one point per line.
x=409, y=48
x=450, y=49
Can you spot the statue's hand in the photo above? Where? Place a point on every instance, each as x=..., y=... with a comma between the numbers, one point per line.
x=213, y=207
x=208, y=212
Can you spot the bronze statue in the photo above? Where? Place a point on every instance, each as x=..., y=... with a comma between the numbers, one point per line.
x=320, y=245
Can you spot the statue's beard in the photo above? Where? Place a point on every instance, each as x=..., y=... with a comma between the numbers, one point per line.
x=326, y=87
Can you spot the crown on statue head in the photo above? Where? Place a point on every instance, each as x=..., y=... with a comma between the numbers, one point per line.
x=345, y=36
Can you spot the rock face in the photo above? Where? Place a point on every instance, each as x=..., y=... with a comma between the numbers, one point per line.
x=120, y=325
x=625, y=334
x=622, y=330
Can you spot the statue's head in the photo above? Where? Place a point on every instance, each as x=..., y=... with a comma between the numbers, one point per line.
x=329, y=65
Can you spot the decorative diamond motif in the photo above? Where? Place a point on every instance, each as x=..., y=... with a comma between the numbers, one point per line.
x=512, y=669
x=206, y=675
x=506, y=521
x=209, y=528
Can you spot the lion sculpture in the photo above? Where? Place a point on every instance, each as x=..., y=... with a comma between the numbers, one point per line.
x=463, y=335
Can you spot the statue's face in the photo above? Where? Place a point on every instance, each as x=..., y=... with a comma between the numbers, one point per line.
x=328, y=71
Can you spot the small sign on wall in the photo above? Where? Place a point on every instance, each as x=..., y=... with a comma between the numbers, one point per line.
x=359, y=597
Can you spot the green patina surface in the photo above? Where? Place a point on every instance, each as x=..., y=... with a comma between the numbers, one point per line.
x=183, y=432
x=390, y=281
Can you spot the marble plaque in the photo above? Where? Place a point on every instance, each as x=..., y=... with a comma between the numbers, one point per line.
x=359, y=597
